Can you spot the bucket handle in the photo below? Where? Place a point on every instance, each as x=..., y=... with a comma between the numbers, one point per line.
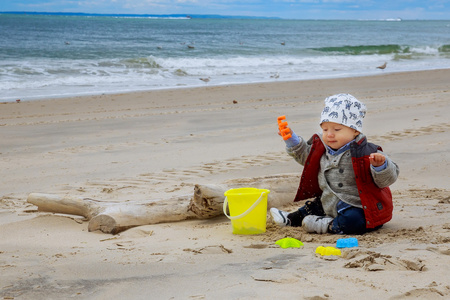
x=225, y=204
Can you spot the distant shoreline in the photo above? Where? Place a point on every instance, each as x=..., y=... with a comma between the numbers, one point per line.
x=163, y=16
x=196, y=16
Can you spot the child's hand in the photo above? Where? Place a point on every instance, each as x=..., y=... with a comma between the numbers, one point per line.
x=286, y=132
x=283, y=128
x=289, y=136
x=377, y=159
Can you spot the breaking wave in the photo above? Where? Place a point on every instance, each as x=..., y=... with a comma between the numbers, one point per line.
x=382, y=49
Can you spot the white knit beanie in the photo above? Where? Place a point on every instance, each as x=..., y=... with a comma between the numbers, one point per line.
x=344, y=109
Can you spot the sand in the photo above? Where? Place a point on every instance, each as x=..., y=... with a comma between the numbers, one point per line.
x=159, y=144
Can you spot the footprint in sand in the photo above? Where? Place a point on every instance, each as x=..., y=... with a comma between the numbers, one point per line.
x=214, y=249
x=407, y=133
x=373, y=261
x=422, y=293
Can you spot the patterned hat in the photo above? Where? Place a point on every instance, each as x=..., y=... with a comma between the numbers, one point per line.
x=344, y=109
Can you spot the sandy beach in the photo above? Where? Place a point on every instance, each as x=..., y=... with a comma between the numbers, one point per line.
x=158, y=144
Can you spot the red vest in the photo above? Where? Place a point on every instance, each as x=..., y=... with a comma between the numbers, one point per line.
x=376, y=202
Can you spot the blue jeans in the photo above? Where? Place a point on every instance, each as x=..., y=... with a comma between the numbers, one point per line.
x=350, y=219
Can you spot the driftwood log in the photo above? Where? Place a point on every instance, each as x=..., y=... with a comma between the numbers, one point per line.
x=206, y=202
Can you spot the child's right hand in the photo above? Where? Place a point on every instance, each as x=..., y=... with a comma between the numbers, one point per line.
x=289, y=136
x=283, y=128
x=280, y=134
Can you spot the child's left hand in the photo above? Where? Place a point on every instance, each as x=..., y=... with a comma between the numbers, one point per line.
x=377, y=159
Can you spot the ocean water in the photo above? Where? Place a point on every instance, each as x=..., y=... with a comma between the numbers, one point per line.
x=56, y=56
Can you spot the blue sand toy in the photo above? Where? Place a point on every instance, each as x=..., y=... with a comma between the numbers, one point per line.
x=347, y=243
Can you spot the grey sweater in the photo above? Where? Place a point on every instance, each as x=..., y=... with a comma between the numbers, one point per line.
x=337, y=178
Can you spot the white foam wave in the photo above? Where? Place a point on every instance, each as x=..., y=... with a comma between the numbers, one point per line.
x=45, y=78
x=425, y=50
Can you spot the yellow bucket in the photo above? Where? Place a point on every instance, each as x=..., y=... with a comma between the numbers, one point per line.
x=248, y=210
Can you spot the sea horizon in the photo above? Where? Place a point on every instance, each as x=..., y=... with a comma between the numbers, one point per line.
x=183, y=16
x=202, y=16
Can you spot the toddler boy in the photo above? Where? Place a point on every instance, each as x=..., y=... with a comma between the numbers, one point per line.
x=347, y=176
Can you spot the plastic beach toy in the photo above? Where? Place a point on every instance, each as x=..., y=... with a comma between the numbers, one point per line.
x=325, y=251
x=283, y=127
x=289, y=243
x=347, y=243
x=248, y=210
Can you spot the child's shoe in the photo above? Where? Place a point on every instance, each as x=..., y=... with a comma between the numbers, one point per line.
x=316, y=224
x=279, y=216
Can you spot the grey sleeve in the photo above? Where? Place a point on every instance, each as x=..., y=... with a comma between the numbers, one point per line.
x=300, y=152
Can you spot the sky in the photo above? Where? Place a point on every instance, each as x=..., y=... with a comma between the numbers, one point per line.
x=286, y=9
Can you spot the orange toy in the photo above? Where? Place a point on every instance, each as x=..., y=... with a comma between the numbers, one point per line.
x=283, y=127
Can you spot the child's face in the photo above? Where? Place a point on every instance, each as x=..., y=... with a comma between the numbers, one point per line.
x=337, y=135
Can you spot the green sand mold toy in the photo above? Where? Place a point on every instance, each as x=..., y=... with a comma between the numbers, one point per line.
x=289, y=243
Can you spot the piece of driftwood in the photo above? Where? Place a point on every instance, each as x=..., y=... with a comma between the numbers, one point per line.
x=208, y=199
x=114, y=217
x=206, y=202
